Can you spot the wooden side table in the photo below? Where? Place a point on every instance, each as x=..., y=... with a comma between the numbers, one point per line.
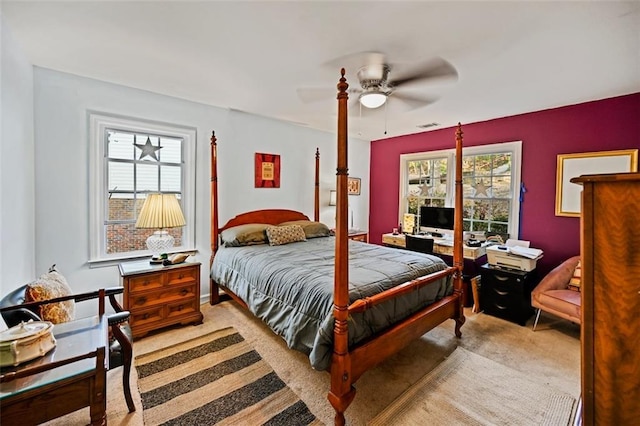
x=158, y=296
x=359, y=236
x=73, y=376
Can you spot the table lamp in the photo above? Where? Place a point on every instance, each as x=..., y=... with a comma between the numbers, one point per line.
x=160, y=211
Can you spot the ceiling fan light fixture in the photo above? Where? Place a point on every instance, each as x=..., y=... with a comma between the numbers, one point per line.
x=373, y=99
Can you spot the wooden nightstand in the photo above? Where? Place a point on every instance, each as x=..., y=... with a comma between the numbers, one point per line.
x=359, y=236
x=158, y=296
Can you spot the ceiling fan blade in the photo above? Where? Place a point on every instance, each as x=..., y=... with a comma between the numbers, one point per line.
x=435, y=68
x=414, y=101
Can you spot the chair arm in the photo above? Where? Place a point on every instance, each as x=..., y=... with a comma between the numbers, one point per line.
x=112, y=292
x=558, y=278
x=119, y=318
x=75, y=297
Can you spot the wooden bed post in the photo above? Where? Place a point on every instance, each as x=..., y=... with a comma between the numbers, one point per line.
x=342, y=392
x=316, y=200
x=458, y=254
x=213, y=288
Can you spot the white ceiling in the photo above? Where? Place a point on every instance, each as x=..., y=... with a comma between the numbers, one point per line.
x=511, y=56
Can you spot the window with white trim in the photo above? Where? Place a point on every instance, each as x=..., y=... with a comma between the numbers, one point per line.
x=129, y=160
x=491, y=185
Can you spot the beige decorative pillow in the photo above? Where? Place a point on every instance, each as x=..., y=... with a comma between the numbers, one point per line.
x=279, y=235
x=311, y=229
x=49, y=286
x=245, y=235
x=576, y=279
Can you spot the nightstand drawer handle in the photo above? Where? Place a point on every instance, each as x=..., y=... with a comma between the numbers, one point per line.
x=141, y=300
x=180, y=308
x=146, y=282
x=501, y=293
x=145, y=316
x=498, y=277
x=180, y=276
x=184, y=292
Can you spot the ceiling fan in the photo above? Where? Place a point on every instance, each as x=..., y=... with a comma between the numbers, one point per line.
x=377, y=85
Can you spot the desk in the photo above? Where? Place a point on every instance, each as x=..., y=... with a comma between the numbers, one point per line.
x=38, y=398
x=471, y=253
x=474, y=258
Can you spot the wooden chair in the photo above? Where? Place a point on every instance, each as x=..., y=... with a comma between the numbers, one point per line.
x=14, y=310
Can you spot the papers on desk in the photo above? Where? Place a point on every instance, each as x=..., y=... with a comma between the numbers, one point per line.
x=443, y=242
x=521, y=248
x=529, y=253
x=515, y=254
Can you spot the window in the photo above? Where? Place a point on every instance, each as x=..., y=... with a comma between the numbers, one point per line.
x=491, y=185
x=131, y=159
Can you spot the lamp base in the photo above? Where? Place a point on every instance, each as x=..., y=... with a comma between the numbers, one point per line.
x=158, y=243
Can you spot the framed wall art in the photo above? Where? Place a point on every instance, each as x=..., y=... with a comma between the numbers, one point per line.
x=353, y=186
x=267, y=170
x=587, y=163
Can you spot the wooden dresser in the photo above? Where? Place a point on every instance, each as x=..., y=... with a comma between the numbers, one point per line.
x=158, y=296
x=610, y=250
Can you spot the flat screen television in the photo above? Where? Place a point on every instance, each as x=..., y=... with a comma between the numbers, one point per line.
x=436, y=219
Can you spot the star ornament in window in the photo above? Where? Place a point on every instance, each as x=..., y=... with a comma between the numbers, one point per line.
x=424, y=190
x=147, y=149
x=481, y=188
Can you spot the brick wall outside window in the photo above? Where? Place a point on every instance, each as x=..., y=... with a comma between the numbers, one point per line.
x=125, y=237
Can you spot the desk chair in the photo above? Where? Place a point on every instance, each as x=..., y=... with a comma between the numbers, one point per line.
x=420, y=244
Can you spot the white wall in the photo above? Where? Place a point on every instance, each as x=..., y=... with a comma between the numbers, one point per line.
x=61, y=167
x=17, y=234
x=296, y=146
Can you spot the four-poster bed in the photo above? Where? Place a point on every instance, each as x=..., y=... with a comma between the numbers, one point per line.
x=355, y=338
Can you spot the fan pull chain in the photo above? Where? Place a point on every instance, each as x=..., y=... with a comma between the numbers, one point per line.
x=385, y=116
x=360, y=120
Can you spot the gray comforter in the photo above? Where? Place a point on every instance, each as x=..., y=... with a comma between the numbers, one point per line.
x=290, y=287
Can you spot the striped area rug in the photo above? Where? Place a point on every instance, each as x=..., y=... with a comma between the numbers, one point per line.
x=217, y=378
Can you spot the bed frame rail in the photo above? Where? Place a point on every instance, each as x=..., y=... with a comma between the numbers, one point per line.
x=392, y=340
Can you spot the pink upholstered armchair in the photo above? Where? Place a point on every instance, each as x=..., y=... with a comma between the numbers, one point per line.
x=553, y=295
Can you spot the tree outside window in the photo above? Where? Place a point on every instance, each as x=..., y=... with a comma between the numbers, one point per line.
x=487, y=192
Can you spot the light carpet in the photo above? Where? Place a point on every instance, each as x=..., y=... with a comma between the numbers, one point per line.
x=217, y=378
x=468, y=389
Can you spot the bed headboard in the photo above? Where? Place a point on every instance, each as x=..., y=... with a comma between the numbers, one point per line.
x=270, y=216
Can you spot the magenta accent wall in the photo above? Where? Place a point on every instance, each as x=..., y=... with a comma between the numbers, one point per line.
x=608, y=124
